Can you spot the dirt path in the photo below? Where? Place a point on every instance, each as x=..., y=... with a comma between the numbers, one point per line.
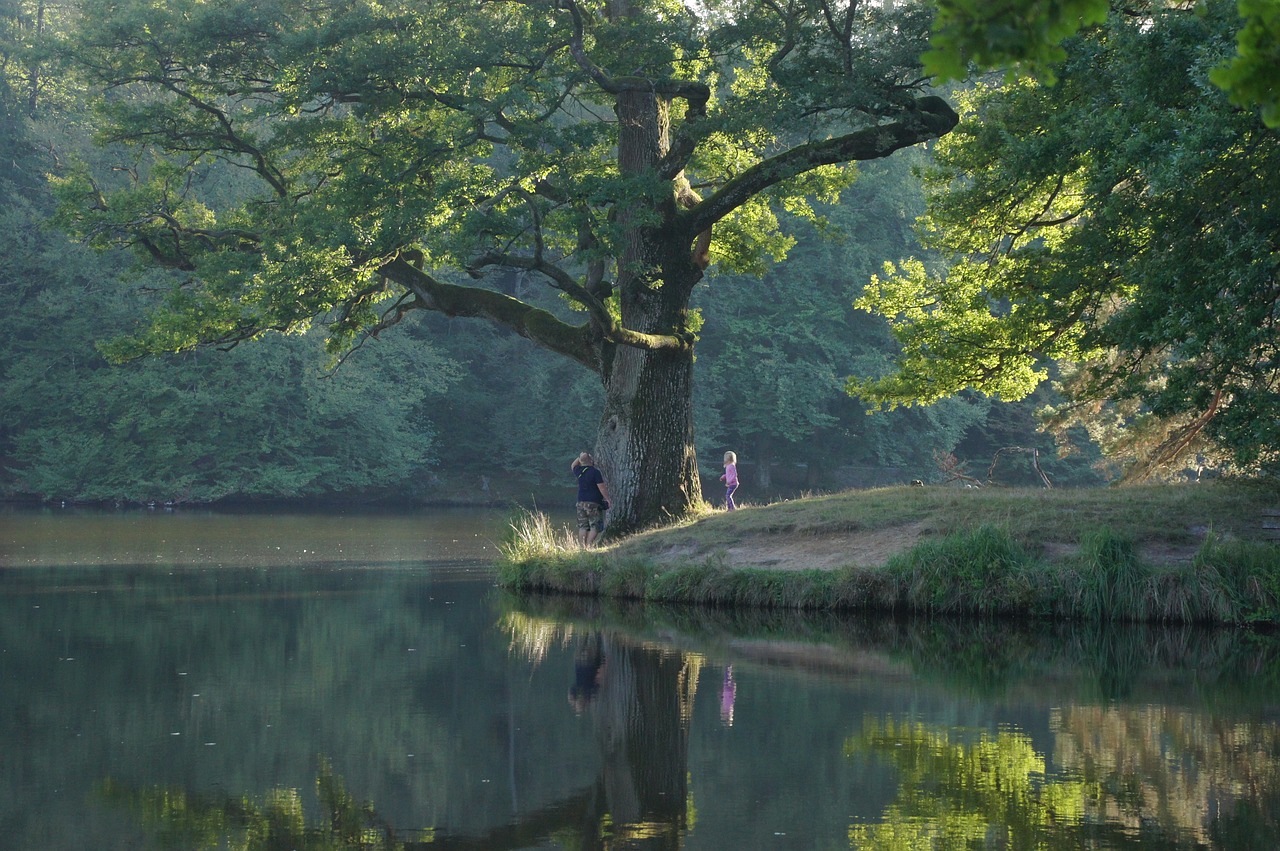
x=866, y=549
x=806, y=552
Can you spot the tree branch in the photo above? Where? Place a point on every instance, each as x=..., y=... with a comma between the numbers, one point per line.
x=692, y=91
x=237, y=144
x=931, y=118
x=530, y=322
x=603, y=322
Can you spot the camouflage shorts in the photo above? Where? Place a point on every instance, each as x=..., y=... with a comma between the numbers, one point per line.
x=590, y=516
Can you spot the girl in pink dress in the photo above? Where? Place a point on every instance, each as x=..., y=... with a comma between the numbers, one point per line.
x=730, y=479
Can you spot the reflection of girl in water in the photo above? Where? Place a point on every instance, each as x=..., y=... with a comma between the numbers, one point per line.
x=588, y=672
x=728, y=691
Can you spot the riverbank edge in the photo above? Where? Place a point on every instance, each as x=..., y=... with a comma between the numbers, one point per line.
x=1166, y=553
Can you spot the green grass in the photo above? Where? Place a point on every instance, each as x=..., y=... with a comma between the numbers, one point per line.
x=1106, y=581
x=979, y=571
x=1067, y=554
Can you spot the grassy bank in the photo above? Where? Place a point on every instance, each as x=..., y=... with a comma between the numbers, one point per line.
x=1178, y=553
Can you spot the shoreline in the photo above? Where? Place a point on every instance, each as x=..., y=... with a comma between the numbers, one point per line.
x=1163, y=553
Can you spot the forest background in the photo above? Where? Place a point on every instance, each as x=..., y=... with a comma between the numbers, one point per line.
x=433, y=413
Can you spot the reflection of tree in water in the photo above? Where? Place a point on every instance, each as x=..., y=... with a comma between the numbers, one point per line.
x=1206, y=777
x=1122, y=776
x=640, y=718
x=1149, y=778
x=989, y=658
x=957, y=793
x=639, y=700
x=176, y=819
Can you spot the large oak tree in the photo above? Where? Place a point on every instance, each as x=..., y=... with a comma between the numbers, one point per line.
x=408, y=155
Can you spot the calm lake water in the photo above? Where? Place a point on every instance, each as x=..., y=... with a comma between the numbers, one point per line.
x=198, y=680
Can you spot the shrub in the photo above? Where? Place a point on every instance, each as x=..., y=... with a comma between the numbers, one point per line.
x=1250, y=575
x=980, y=571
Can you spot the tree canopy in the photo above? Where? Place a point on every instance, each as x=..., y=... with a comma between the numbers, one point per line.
x=347, y=166
x=441, y=409
x=1123, y=221
x=775, y=349
x=1027, y=35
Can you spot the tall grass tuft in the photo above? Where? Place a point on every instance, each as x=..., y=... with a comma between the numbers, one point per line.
x=1107, y=580
x=626, y=580
x=703, y=584
x=714, y=583
x=1249, y=572
x=532, y=535
x=864, y=588
x=537, y=555
x=1190, y=594
x=980, y=571
x=800, y=589
x=1227, y=582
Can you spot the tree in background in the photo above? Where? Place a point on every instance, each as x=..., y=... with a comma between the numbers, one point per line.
x=777, y=348
x=512, y=424
x=1123, y=221
x=200, y=426
x=254, y=422
x=611, y=149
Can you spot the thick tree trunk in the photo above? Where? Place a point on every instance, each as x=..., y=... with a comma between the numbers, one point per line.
x=645, y=444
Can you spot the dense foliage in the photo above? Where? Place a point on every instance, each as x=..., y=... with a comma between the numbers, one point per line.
x=1027, y=36
x=253, y=422
x=1137, y=105
x=776, y=349
x=257, y=422
x=1122, y=221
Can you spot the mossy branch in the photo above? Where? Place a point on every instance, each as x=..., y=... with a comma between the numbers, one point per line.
x=574, y=341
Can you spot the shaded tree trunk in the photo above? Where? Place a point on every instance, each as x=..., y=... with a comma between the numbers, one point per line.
x=645, y=444
x=646, y=438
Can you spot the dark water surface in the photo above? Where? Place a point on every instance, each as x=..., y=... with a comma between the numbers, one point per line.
x=197, y=680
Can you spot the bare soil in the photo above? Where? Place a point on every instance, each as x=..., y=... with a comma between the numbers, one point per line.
x=779, y=551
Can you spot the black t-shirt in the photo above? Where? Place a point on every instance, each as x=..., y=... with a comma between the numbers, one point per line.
x=589, y=481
